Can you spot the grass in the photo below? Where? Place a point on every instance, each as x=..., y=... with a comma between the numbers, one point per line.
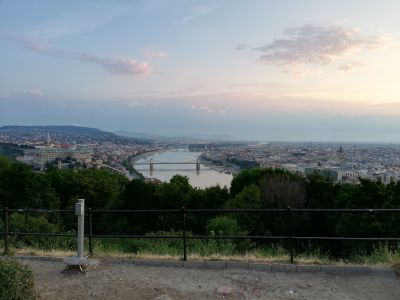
x=171, y=249
x=380, y=255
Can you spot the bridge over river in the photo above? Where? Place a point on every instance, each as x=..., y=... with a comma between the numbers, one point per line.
x=163, y=165
x=153, y=162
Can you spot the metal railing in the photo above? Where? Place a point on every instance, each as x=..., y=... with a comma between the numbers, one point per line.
x=290, y=238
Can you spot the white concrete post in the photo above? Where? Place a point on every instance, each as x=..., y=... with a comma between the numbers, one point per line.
x=79, y=260
x=80, y=212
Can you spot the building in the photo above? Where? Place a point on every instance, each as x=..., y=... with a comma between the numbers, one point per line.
x=38, y=157
x=330, y=173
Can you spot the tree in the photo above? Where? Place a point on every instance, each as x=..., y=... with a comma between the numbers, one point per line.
x=98, y=187
x=280, y=191
x=22, y=188
x=254, y=176
x=211, y=197
x=249, y=197
x=137, y=195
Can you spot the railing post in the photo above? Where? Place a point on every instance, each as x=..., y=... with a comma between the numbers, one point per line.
x=184, y=233
x=90, y=232
x=290, y=234
x=6, y=231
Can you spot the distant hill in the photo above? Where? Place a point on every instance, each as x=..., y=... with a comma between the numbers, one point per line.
x=138, y=135
x=67, y=133
x=53, y=128
x=215, y=137
x=174, y=139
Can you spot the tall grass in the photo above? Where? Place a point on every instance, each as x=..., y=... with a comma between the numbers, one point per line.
x=205, y=249
x=382, y=253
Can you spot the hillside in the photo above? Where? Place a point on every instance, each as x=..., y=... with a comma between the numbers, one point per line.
x=178, y=139
x=65, y=133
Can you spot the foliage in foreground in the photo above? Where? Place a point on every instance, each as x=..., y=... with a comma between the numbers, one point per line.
x=16, y=281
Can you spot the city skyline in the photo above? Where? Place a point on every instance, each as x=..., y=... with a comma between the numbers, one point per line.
x=256, y=70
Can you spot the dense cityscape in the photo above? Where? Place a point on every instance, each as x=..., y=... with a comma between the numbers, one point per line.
x=80, y=147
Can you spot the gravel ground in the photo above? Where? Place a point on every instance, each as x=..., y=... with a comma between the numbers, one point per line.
x=125, y=281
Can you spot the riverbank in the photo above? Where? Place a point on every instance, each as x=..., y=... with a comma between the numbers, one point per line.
x=145, y=155
x=226, y=168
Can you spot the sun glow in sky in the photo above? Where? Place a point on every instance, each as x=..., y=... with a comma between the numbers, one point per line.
x=271, y=70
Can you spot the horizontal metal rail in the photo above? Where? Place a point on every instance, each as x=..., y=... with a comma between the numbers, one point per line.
x=136, y=210
x=40, y=234
x=30, y=210
x=207, y=237
x=216, y=210
x=296, y=210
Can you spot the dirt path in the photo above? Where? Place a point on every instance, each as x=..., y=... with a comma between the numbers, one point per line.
x=123, y=281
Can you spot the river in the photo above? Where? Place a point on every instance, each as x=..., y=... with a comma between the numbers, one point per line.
x=206, y=177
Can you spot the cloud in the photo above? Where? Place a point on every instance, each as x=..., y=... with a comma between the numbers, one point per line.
x=76, y=19
x=203, y=107
x=31, y=92
x=35, y=92
x=155, y=53
x=350, y=67
x=121, y=65
x=318, y=45
x=199, y=11
x=208, y=109
x=117, y=66
x=299, y=74
x=241, y=46
x=35, y=45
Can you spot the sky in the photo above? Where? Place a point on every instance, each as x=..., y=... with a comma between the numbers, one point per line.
x=267, y=70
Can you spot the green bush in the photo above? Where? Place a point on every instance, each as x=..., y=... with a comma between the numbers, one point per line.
x=25, y=223
x=16, y=281
x=223, y=225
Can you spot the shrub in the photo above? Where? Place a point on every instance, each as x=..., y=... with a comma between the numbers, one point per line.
x=223, y=225
x=25, y=223
x=16, y=281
